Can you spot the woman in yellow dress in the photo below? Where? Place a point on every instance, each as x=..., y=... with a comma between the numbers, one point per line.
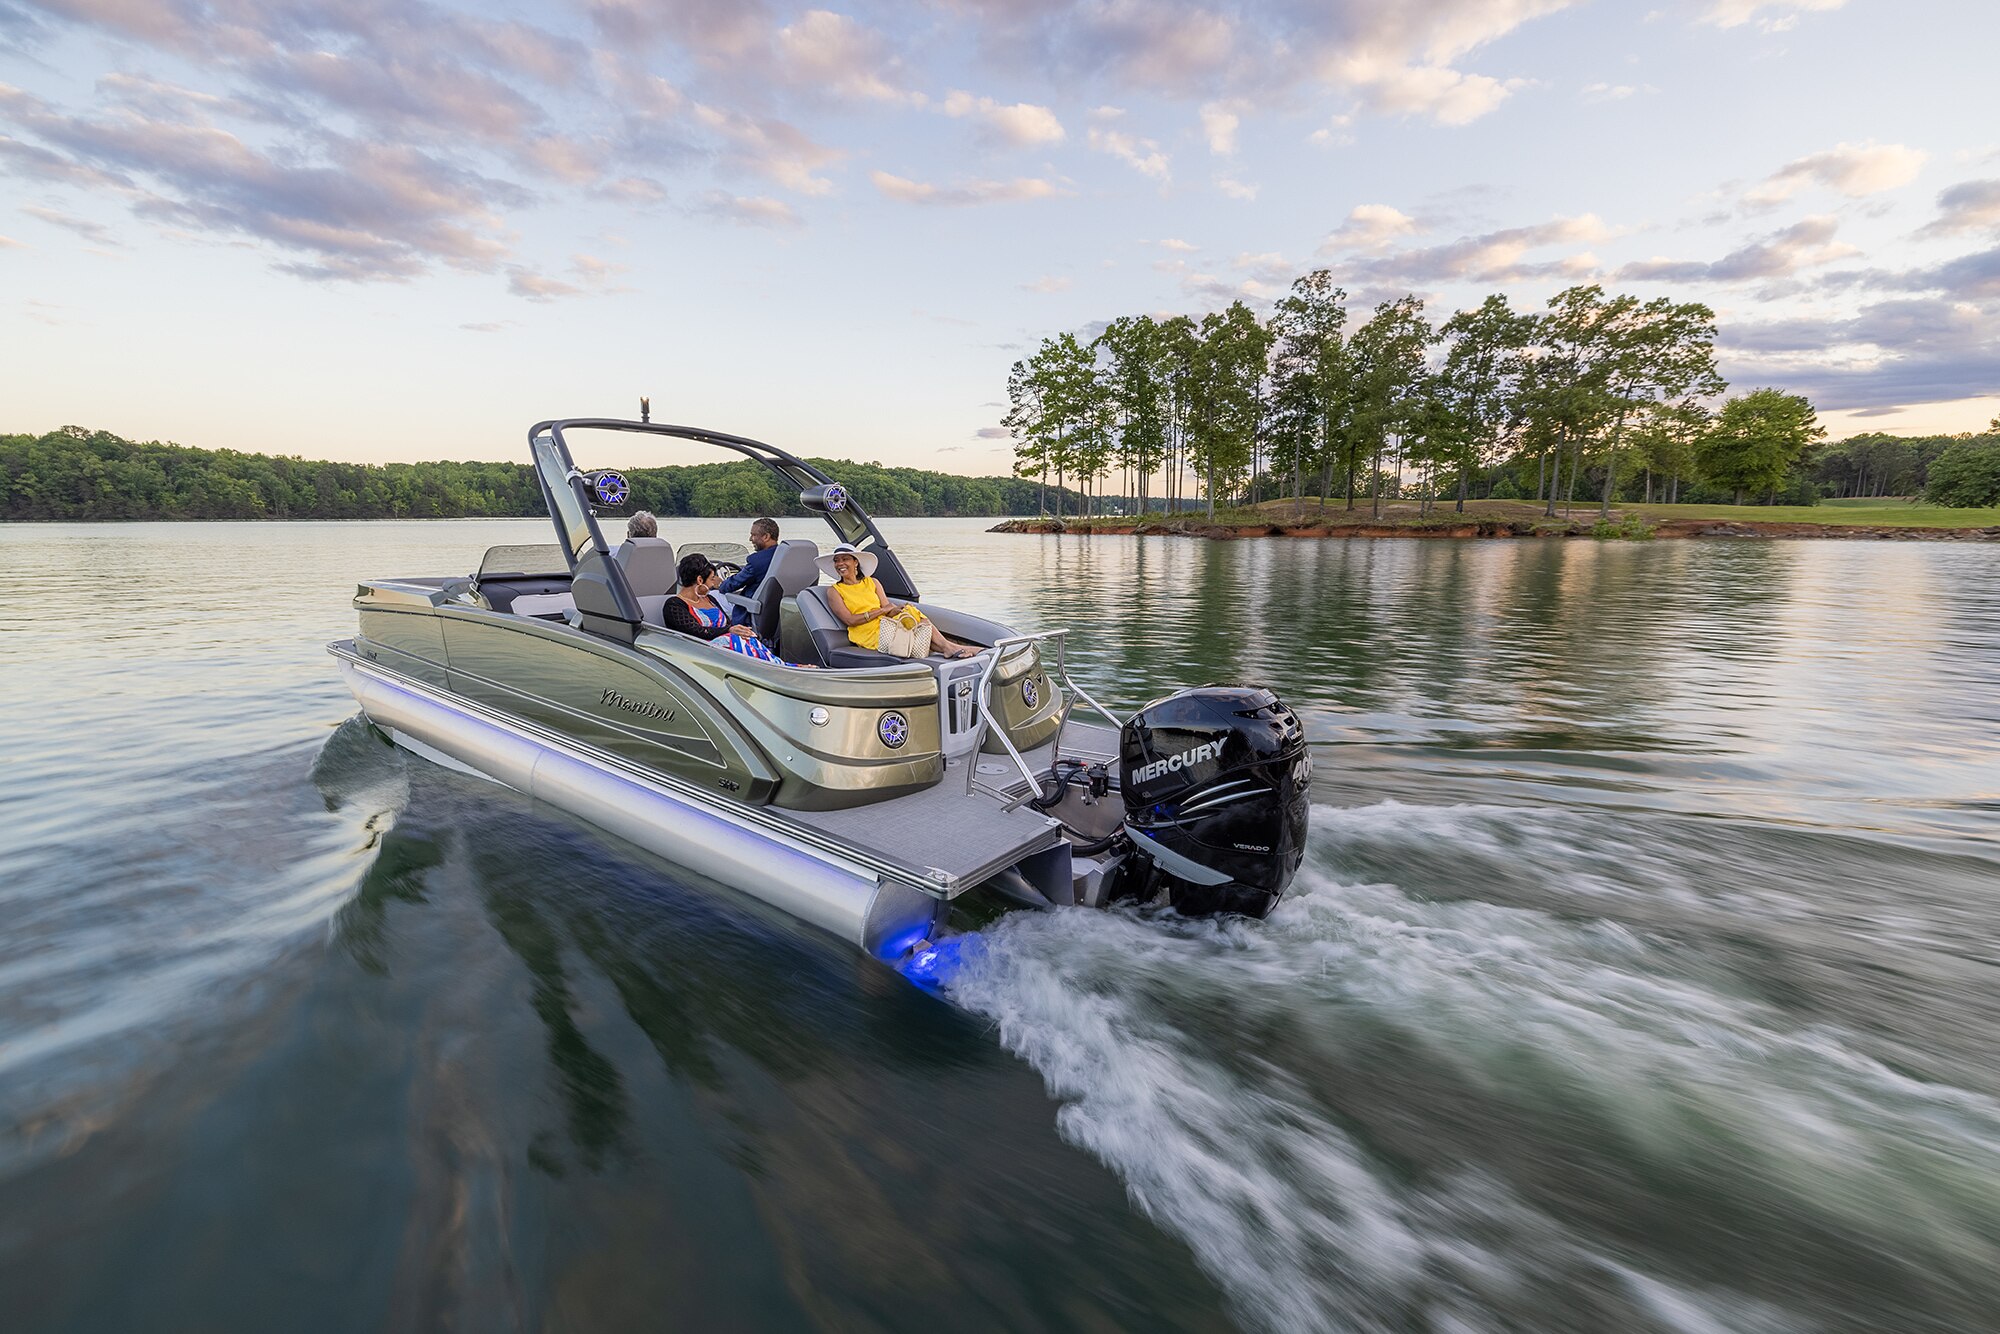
x=857, y=599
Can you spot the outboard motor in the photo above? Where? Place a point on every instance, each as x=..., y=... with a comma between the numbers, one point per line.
x=1215, y=786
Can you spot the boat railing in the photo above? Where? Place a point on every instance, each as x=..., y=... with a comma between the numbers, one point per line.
x=1072, y=692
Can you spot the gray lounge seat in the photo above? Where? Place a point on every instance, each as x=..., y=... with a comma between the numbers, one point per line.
x=830, y=639
x=651, y=570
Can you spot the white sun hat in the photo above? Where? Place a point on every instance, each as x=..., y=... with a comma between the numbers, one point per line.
x=865, y=558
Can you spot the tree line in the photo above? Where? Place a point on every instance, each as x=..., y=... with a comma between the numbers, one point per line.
x=72, y=473
x=1599, y=394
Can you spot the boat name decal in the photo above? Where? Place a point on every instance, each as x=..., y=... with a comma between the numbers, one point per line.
x=1187, y=759
x=656, y=711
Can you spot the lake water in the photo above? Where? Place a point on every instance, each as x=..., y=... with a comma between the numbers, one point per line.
x=1641, y=976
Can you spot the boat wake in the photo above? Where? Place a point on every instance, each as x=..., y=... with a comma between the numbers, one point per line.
x=1380, y=1111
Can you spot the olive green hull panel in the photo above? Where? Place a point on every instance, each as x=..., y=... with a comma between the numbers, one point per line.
x=718, y=719
x=1025, y=703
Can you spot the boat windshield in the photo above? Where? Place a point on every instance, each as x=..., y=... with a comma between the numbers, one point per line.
x=524, y=560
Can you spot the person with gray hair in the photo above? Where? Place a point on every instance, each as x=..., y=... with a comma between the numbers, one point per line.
x=642, y=524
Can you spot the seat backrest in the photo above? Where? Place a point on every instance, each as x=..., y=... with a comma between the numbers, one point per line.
x=794, y=565
x=829, y=636
x=651, y=571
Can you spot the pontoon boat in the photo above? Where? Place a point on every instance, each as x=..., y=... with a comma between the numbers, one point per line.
x=868, y=795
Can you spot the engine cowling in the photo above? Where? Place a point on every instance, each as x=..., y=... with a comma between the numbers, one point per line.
x=1215, y=782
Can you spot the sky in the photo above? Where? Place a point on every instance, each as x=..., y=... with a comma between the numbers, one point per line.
x=402, y=230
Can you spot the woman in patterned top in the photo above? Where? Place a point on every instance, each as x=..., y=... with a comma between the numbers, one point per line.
x=693, y=612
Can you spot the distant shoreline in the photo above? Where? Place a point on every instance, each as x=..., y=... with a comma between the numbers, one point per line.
x=1451, y=525
x=665, y=519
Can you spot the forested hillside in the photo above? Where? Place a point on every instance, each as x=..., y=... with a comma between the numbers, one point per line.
x=77, y=474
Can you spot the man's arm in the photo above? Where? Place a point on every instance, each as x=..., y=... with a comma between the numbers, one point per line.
x=752, y=572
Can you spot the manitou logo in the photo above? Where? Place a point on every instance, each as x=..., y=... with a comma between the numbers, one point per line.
x=1187, y=759
x=659, y=713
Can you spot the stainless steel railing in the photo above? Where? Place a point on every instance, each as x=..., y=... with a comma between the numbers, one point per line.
x=1072, y=692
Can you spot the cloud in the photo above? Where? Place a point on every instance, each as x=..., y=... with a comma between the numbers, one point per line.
x=1607, y=92
x=413, y=91
x=1854, y=170
x=1049, y=284
x=489, y=326
x=356, y=210
x=1969, y=206
x=1736, y=13
x=1021, y=125
x=993, y=433
x=772, y=149
x=1967, y=277
x=1142, y=155
x=1803, y=245
x=9, y=243
x=595, y=269
x=1369, y=227
x=1268, y=273
x=748, y=210
x=907, y=191
x=560, y=158
x=1903, y=351
x=1269, y=267
x=1236, y=189
x=1336, y=133
x=833, y=54
x=1445, y=95
x=638, y=191
x=1397, y=59
x=36, y=162
x=715, y=31
x=1219, y=123
x=1492, y=257
x=90, y=231
x=1174, y=243
x=526, y=282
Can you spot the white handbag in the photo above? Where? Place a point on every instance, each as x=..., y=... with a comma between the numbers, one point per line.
x=899, y=641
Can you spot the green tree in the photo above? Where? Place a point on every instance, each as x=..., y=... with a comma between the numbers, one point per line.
x=1057, y=409
x=1663, y=437
x=1309, y=378
x=1477, y=384
x=1387, y=382
x=1659, y=353
x=1967, y=473
x=1226, y=402
x=1573, y=355
x=1755, y=441
x=1180, y=351
x=1133, y=382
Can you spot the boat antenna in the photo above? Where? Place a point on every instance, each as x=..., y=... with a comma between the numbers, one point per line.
x=645, y=409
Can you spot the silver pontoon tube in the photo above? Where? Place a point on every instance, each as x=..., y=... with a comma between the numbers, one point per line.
x=849, y=899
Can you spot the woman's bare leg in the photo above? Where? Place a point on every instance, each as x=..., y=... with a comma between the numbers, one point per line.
x=950, y=647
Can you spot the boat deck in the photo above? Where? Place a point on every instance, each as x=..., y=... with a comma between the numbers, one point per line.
x=944, y=837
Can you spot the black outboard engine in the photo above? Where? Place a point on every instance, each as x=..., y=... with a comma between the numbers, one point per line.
x=1215, y=785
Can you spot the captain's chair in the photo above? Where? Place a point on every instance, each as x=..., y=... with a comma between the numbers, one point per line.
x=650, y=569
x=794, y=567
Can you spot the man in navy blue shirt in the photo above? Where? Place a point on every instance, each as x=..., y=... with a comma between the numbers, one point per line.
x=763, y=542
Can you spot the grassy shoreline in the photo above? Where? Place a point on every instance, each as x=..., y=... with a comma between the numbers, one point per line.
x=1888, y=519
